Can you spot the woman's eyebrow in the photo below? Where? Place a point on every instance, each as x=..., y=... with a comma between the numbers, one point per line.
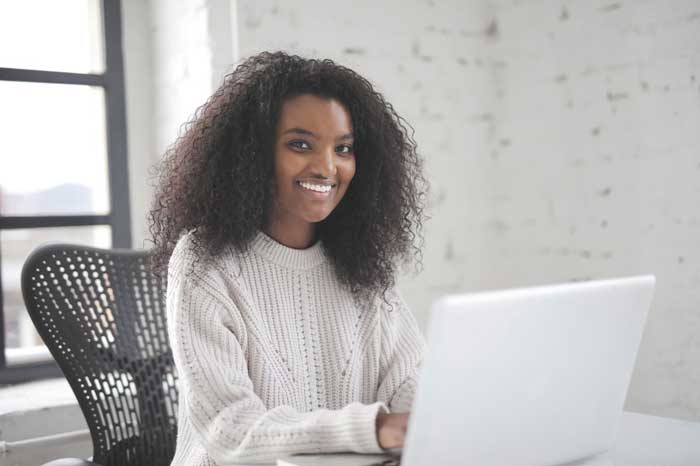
x=306, y=132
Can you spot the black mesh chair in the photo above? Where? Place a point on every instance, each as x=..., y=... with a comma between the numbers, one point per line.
x=101, y=313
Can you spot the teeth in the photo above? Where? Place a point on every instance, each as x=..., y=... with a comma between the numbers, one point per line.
x=315, y=187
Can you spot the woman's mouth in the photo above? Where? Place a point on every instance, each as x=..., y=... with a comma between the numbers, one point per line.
x=316, y=189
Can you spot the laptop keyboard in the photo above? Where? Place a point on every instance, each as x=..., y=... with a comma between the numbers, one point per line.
x=388, y=462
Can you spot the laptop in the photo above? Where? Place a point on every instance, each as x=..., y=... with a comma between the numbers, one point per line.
x=522, y=377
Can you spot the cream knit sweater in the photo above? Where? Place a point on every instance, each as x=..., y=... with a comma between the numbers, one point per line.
x=274, y=357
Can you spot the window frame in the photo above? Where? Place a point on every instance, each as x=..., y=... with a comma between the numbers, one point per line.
x=119, y=218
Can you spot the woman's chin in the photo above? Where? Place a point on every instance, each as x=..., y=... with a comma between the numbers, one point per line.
x=317, y=216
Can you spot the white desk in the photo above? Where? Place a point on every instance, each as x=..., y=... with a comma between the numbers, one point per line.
x=656, y=441
x=642, y=441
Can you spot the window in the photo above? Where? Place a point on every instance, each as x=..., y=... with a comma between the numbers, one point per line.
x=63, y=161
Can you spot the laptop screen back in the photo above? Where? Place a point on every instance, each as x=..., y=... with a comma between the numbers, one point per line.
x=527, y=377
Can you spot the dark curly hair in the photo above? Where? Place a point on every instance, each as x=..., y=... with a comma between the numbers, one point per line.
x=216, y=180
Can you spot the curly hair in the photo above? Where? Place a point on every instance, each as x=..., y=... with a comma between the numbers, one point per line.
x=216, y=180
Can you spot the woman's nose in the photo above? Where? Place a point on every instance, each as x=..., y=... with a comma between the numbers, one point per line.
x=324, y=163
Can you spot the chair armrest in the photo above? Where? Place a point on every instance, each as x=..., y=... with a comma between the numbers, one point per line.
x=71, y=462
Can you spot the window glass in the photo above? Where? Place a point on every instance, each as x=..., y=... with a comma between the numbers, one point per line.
x=51, y=35
x=53, y=152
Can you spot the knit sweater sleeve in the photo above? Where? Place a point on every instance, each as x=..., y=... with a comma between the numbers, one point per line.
x=232, y=423
x=403, y=346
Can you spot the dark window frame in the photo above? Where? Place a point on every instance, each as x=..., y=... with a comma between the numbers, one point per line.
x=119, y=218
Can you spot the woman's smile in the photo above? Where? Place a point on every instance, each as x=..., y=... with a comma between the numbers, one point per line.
x=315, y=189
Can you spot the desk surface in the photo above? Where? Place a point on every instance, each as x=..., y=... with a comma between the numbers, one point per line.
x=642, y=440
x=656, y=441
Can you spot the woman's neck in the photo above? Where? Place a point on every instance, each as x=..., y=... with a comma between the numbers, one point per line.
x=291, y=234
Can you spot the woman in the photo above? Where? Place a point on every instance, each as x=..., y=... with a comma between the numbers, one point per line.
x=281, y=214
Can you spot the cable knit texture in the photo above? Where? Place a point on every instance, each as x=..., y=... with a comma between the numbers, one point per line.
x=275, y=357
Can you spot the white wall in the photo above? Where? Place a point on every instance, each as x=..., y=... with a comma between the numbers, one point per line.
x=600, y=176
x=560, y=139
x=558, y=136
x=175, y=54
x=138, y=78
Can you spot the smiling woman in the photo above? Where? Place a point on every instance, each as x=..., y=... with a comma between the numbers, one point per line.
x=281, y=215
x=314, y=165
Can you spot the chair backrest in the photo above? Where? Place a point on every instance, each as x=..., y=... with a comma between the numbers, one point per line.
x=101, y=313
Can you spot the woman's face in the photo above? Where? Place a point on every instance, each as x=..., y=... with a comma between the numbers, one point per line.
x=314, y=160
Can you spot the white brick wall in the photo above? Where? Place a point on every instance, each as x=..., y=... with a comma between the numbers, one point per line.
x=138, y=80
x=601, y=173
x=182, y=78
x=560, y=138
x=561, y=142
x=175, y=53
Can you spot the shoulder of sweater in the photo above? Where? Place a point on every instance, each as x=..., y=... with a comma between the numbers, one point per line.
x=394, y=312
x=390, y=301
x=210, y=277
x=188, y=260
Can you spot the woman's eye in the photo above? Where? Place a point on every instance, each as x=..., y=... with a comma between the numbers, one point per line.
x=299, y=145
x=345, y=149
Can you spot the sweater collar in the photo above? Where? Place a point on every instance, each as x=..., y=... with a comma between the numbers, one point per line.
x=285, y=256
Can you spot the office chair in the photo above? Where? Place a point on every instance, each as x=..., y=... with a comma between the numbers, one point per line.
x=101, y=313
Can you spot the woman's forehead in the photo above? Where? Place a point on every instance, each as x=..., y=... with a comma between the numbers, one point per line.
x=319, y=115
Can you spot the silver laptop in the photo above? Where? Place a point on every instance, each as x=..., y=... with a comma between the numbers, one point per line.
x=523, y=377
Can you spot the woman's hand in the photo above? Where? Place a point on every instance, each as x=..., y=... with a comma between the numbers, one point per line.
x=391, y=429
